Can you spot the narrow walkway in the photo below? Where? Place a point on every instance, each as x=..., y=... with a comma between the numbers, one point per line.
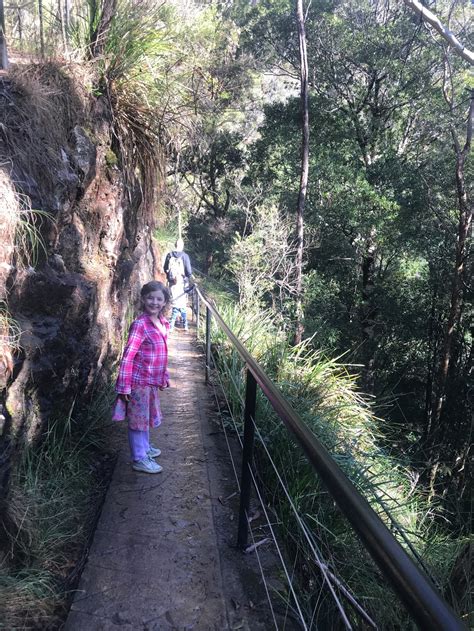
x=163, y=555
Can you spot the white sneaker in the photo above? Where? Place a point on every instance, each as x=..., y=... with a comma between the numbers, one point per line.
x=146, y=465
x=153, y=452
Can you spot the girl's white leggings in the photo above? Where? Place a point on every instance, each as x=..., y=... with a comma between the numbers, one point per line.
x=139, y=443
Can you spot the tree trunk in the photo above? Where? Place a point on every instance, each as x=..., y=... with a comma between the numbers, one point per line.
x=41, y=27
x=176, y=188
x=431, y=365
x=464, y=226
x=299, y=327
x=93, y=12
x=369, y=314
x=20, y=27
x=99, y=35
x=213, y=185
x=448, y=35
x=4, y=63
x=67, y=19
x=63, y=27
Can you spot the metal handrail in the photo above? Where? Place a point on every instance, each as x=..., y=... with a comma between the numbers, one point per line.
x=412, y=585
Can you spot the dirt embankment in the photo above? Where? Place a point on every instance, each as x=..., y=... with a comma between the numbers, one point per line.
x=75, y=247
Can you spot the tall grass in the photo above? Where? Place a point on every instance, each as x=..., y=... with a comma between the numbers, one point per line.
x=55, y=493
x=325, y=395
x=29, y=241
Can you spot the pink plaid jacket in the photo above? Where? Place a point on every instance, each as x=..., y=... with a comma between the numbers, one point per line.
x=145, y=358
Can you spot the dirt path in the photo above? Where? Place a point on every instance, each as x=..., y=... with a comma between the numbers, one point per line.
x=163, y=555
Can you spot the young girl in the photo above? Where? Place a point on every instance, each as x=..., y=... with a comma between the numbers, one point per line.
x=143, y=371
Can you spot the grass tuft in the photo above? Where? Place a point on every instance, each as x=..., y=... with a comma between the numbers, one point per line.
x=56, y=490
x=131, y=70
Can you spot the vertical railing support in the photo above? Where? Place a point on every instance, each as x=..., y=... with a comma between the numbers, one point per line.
x=198, y=304
x=247, y=458
x=208, y=343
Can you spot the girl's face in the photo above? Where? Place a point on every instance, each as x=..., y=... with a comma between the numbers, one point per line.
x=154, y=302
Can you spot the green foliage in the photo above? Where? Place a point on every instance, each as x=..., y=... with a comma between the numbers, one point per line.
x=138, y=51
x=261, y=258
x=214, y=87
x=138, y=42
x=29, y=594
x=81, y=28
x=166, y=236
x=324, y=309
x=55, y=493
x=381, y=197
x=324, y=394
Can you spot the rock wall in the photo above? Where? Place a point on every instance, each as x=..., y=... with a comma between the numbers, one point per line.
x=71, y=305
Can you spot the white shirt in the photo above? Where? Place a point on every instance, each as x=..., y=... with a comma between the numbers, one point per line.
x=178, y=297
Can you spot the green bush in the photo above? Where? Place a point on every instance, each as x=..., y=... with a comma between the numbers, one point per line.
x=325, y=395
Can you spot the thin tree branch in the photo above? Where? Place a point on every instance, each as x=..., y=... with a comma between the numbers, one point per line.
x=448, y=35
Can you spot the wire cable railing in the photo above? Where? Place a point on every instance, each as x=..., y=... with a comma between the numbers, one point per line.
x=332, y=582
x=415, y=589
x=269, y=524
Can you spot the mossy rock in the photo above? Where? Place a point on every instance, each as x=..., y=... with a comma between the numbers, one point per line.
x=111, y=159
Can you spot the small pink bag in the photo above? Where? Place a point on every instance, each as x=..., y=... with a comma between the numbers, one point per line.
x=119, y=409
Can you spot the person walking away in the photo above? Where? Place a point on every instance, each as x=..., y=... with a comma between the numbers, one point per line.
x=179, y=304
x=177, y=265
x=142, y=374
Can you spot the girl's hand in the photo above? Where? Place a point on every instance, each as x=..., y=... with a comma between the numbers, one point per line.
x=167, y=385
x=125, y=397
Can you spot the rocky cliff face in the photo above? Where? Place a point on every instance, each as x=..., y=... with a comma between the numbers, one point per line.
x=94, y=250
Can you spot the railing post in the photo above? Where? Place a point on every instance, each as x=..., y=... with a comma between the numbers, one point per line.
x=208, y=343
x=196, y=296
x=247, y=458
